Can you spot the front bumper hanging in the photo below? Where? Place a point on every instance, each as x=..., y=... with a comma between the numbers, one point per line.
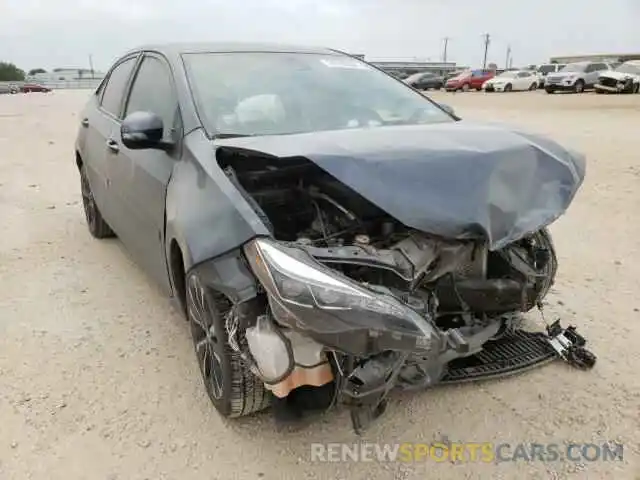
x=368, y=386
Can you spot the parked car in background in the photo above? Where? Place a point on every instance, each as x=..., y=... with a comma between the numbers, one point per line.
x=470, y=79
x=545, y=69
x=5, y=89
x=34, y=87
x=453, y=74
x=576, y=77
x=425, y=81
x=512, y=80
x=624, y=79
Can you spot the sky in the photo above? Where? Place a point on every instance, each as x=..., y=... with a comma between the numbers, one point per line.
x=65, y=33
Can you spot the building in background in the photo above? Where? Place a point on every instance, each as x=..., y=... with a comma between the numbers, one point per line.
x=600, y=57
x=411, y=67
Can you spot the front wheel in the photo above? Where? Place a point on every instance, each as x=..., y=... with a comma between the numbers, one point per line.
x=508, y=87
x=549, y=90
x=230, y=385
x=578, y=87
x=637, y=88
x=533, y=86
x=465, y=87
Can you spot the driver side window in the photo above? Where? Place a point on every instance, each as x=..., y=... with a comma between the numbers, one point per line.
x=153, y=91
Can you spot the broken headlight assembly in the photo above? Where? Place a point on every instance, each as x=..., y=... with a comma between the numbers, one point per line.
x=308, y=296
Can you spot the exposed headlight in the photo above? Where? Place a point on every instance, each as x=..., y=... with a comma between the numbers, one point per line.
x=304, y=292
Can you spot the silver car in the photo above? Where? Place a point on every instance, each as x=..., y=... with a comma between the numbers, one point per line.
x=576, y=77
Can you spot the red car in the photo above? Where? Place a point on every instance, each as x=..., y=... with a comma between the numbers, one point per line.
x=34, y=87
x=468, y=80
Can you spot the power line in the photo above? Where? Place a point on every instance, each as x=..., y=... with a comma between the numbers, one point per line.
x=444, y=53
x=91, y=65
x=487, y=40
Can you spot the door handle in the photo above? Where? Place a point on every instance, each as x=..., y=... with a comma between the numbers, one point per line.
x=85, y=122
x=113, y=145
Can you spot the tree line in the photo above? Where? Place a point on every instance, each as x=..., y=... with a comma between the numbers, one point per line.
x=9, y=72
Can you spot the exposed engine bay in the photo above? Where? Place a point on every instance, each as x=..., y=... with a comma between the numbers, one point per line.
x=404, y=303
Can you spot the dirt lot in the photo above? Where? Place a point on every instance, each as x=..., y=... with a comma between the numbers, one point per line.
x=98, y=378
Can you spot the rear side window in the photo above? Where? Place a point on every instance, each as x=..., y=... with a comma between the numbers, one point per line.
x=116, y=85
x=153, y=91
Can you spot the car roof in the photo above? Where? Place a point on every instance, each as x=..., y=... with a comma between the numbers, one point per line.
x=176, y=49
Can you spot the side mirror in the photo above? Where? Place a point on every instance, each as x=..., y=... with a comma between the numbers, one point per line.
x=143, y=130
x=448, y=109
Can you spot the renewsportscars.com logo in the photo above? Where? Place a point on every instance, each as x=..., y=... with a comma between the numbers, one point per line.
x=485, y=452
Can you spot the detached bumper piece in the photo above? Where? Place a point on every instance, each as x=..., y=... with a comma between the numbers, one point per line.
x=367, y=387
x=570, y=346
x=513, y=353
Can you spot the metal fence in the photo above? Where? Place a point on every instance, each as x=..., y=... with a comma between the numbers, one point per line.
x=84, y=83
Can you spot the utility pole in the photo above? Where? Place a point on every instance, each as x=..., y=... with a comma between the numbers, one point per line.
x=508, y=59
x=91, y=65
x=487, y=40
x=444, y=53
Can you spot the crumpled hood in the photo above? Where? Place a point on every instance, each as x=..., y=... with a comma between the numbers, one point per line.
x=618, y=75
x=454, y=179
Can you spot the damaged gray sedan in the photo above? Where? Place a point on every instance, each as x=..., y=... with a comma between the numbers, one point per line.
x=329, y=232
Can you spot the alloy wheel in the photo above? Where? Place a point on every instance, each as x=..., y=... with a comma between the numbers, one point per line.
x=206, y=339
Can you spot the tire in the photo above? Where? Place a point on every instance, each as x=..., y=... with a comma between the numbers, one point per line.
x=578, y=87
x=233, y=390
x=597, y=90
x=98, y=227
x=508, y=87
x=549, y=90
x=637, y=88
x=533, y=86
x=465, y=87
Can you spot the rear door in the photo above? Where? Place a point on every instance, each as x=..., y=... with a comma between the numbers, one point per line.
x=524, y=80
x=97, y=123
x=140, y=177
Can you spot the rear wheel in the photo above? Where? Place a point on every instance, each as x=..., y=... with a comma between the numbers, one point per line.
x=232, y=388
x=637, y=88
x=98, y=227
x=533, y=86
x=465, y=87
x=508, y=87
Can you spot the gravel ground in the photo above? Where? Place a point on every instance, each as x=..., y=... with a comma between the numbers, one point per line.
x=98, y=378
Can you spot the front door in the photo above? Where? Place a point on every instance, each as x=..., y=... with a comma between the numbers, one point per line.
x=140, y=177
x=97, y=124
